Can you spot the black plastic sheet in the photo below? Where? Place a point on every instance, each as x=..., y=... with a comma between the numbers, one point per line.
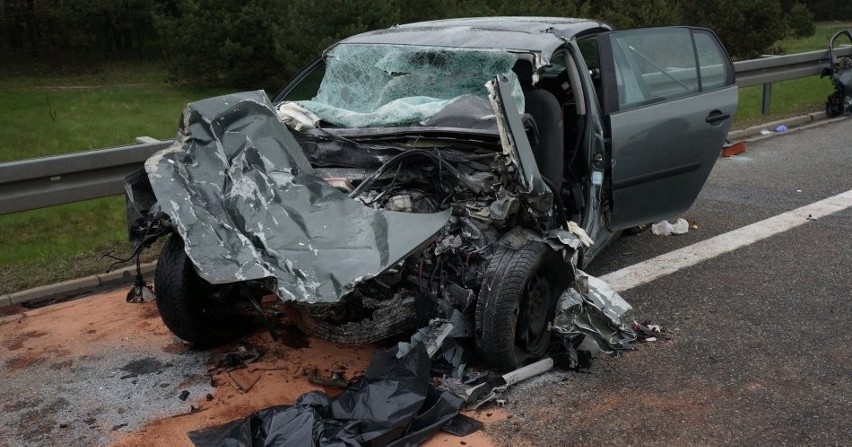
x=243, y=196
x=394, y=404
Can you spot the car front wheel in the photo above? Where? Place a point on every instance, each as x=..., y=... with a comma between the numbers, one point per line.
x=516, y=305
x=193, y=309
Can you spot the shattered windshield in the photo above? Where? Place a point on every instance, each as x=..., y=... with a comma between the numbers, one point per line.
x=398, y=85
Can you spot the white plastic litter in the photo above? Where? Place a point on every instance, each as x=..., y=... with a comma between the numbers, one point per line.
x=766, y=132
x=664, y=228
x=296, y=116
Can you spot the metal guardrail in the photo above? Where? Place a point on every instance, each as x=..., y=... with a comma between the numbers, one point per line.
x=48, y=181
x=782, y=68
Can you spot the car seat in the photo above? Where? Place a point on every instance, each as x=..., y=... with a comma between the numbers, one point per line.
x=546, y=112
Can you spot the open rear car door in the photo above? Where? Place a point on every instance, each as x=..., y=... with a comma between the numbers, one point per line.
x=669, y=99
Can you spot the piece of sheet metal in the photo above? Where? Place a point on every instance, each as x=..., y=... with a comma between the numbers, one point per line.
x=516, y=145
x=243, y=196
x=594, y=310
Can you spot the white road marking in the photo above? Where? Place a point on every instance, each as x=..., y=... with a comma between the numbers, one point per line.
x=671, y=262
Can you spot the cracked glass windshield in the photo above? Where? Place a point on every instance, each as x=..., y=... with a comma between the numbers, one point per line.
x=398, y=85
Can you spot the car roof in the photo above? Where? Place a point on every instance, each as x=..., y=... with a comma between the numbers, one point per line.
x=535, y=34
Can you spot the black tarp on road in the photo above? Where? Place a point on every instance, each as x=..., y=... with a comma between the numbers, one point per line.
x=394, y=404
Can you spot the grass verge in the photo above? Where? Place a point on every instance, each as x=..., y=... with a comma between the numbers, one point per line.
x=50, y=121
x=817, y=41
x=52, y=114
x=54, y=244
x=789, y=98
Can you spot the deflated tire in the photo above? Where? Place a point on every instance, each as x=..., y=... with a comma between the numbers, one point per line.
x=516, y=305
x=193, y=309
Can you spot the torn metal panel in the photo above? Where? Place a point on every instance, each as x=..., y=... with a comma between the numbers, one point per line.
x=516, y=145
x=432, y=337
x=559, y=239
x=243, y=196
x=594, y=309
x=605, y=297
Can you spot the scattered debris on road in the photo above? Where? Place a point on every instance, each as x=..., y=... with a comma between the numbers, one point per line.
x=337, y=380
x=665, y=228
x=89, y=370
x=412, y=390
x=242, y=380
x=230, y=361
x=646, y=331
x=246, y=376
x=394, y=403
x=730, y=150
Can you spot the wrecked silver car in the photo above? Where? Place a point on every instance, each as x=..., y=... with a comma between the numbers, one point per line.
x=460, y=169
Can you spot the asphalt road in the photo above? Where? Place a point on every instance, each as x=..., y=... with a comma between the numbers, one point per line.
x=759, y=350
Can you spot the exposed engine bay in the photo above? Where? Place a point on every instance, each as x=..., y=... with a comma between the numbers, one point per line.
x=475, y=180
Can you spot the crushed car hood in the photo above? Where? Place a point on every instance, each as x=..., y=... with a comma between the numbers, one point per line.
x=241, y=193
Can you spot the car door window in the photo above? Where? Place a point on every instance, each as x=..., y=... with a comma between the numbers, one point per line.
x=715, y=71
x=653, y=67
x=589, y=50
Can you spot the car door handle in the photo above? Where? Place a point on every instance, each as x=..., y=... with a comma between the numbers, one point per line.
x=716, y=117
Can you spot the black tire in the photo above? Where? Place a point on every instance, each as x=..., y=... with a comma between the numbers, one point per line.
x=186, y=301
x=516, y=305
x=632, y=231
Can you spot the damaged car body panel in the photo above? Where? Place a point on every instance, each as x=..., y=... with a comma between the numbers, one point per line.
x=461, y=170
x=248, y=205
x=516, y=146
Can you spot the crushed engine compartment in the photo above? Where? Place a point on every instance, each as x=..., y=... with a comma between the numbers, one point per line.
x=475, y=181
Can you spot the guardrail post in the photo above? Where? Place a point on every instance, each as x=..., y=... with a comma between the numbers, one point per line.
x=767, y=98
